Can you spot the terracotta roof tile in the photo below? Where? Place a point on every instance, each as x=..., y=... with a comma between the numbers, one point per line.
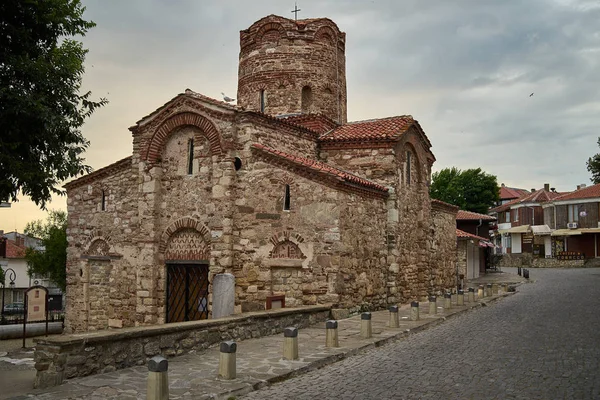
x=469, y=215
x=13, y=250
x=374, y=129
x=589, y=192
x=512, y=193
x=315, y=122
x=466, y=235
x=322, y=168
x=539, y=196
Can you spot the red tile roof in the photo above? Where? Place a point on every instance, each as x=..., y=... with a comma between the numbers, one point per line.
x=322, y=169
x=589, y=192
x=315, y=122
x=539, y=196
x=13, y=250
x=469, y=215
x=507, y=193
x=467, y=235
x=387, y=129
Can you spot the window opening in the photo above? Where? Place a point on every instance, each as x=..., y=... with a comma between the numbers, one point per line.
x=103, y=205
x=262, y=101
x=286, y=202
x=306, y=99
x=190, y=157
x=237, y=163
x=408, y=162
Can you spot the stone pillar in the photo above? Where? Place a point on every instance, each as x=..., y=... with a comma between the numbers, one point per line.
x=158, y=379
x=227, y=367
x=432, y=305
x=290, y=343
x=460, y=298
x=480, y=293
x=394, y=321
x=331, y=334
x=471, y=295
x=366, y=330
x=447, y=301
x=414, y=311
x=495, y=288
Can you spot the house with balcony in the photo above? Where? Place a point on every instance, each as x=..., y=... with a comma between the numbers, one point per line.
x=575, y=222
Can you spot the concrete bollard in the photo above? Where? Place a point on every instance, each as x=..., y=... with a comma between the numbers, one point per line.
x=414, y=311
x=460, y=298
x=495, y=288
x=394, y=321
x=488, y=292
x=331, y=333
x=471, y=295
x=158, y=379
x=505, y=287
x=526, y=274
x=227, y=362
x=290, y=343
x=447, y=301
x=453, y=297
x=432, y=305
x=480, y=292
x=365, y=325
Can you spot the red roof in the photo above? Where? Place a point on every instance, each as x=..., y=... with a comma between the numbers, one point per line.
x=469, y=215
x=322, y=168
x=539, y=196
x=374, y=129
x=13, y=250
x=507, y=193
x=589, y=192
x=315, y=122
x=467, y=235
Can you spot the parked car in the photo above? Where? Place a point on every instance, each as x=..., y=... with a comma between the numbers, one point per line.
x=14, y=308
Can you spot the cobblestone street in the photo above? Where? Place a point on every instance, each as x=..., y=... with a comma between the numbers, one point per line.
x=542, y=343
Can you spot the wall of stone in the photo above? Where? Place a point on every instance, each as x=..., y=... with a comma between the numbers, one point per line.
x=443, y=253
x=554, y=263
x=69, y=356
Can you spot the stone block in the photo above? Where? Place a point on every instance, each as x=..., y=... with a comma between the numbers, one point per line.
x=223, y=295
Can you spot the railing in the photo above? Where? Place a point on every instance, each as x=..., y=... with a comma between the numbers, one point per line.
x=17, y=318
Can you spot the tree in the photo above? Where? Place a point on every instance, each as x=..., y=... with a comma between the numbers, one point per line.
x=593, y=166
x=471, y=189
x=51, y=261
x=41, y=108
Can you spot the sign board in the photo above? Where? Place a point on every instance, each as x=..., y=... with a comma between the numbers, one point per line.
x=527, y=238
x=570, y=255
x=37, y=300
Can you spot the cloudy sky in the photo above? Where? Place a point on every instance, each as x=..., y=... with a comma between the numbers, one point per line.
x=464, y=69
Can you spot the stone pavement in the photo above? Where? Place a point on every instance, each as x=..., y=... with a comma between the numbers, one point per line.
x=259, y=361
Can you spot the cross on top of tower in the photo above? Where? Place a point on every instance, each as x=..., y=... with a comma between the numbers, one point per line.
x=295, y=11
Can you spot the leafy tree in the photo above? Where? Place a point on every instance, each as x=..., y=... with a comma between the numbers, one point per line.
x=471, y=189
x=50, y=262
x=41, y=108
x=593, y=166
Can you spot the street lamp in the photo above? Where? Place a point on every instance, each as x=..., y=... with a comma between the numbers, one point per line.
x=12, y=275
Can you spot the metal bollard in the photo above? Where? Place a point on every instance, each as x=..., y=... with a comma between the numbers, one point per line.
x=290, y=343
x=471, y=295
x=519, y=271
x=394, y=321
x=331, y=333
x=447, y=301
x=526, y=274
x=494, y=288
x=227, y=361
x=432, y=305
x=480, y=292
x=414, y=311
x=460, y=297
x=158, y=379
x=365, y=325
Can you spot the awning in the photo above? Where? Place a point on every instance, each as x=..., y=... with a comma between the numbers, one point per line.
x=519, y=229
x=541, y=230
x=485, y=244
x=566, y=232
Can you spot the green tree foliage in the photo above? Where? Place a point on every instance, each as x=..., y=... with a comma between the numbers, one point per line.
x=41, y=108
x=593, y=166
x=471, y=189
x=52, y=261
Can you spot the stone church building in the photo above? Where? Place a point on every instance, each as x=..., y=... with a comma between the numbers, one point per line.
x=299, y=205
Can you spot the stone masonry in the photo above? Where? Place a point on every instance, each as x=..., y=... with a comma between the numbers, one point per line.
x=290, y=199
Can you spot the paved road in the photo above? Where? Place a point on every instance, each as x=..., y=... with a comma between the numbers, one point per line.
x=542, y=343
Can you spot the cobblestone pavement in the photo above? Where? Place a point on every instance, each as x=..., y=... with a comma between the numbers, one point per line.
x=542, y=343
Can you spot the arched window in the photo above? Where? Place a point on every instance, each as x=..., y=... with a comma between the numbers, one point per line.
x=306, y=99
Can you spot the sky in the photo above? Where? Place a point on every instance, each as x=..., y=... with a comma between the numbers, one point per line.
x=465, y=69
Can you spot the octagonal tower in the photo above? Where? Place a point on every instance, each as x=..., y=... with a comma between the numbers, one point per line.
x=290, y=67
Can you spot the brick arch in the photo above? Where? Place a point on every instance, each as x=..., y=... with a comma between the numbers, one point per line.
x=93, y=237
x=271, y=26
x=176, y=121
x=181, y=224
x=286, y=244
x=326, y=35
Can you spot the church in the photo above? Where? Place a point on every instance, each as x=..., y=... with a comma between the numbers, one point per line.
x=279, y=191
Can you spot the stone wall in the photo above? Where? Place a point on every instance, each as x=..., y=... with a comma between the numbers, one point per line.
x=443, y=249
x=70, y=356
x=554, y=263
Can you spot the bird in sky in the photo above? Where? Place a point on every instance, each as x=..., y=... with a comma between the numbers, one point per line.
x=227, y=98
x=531, y=95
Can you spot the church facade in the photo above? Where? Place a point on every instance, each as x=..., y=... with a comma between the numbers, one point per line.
x=280, y=191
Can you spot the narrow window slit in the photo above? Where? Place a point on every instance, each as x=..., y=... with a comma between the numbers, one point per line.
x=103, y=204
x=190, y=157
x=262, y=101
x=286, y=202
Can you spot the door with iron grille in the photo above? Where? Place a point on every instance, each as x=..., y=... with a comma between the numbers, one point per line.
x=187, y=292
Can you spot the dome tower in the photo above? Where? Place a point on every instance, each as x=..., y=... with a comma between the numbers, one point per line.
x=290, y=67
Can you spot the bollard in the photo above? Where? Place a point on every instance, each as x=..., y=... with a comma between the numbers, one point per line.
x=526, y=274
x=432, y=305
x=447, y=301
x=394, y=322
x=519, y=271
x=488, y=290
x=480, y=292
x=414, y=311
x=460, y=297
x=158, y=379
x=331, y=333
x=365, y=325
x=504, y=287
x=494, y=288
x=290, y=343
x=471, y=295
x=453, y=297
x=227, y=360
